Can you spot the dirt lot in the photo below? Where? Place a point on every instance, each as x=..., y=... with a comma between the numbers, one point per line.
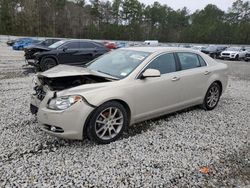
x=165, y=152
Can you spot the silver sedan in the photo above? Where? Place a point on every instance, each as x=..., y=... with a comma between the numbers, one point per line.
x=101, y=99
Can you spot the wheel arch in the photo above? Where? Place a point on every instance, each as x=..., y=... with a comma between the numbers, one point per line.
x=122, y=102
x=49, y=56
x=220, y=84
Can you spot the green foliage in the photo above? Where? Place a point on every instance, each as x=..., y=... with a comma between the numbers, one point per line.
x=125, y=20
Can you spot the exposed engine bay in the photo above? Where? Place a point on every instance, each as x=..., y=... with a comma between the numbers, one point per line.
x=61, y=83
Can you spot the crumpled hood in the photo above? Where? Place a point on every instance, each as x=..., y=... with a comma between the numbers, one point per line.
x=85, y=88
x=67, y=70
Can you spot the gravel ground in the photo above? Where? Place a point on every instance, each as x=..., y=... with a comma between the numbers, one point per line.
x=164, y=152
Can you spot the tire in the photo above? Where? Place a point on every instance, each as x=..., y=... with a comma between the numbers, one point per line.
x=213, y=56
x=237, y=58
x=101, y=127
x=214, y=90
x=47, y=63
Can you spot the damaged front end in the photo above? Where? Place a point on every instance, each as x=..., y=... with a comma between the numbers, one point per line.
x=61, y=83
x=61, y=78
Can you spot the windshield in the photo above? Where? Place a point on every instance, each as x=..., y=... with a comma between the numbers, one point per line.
x=57, y=44
x=233, y=49
x=118, y=63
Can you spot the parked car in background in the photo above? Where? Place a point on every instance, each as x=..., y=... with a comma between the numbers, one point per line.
x=12, y=41
x=39, y=47
x=247, y=55
x=151, y=42
x=235, y=53
x=21, y=44
x=124, y=87
x=109, y=45
x=73, y=52
x=120, y=44
x=185, y=45
x=199, y=48
x=214, y=51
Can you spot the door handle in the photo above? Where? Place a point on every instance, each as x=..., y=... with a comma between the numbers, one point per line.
x=207, y=72
x=176, y=78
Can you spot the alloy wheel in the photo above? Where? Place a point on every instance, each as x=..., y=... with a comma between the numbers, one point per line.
x=213, y=96
x=109, y=123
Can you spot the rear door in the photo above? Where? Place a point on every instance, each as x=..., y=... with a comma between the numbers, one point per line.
x=193, y=78
x=69, y=53
x=87, y=52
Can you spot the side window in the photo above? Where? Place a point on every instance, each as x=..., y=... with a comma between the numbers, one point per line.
x=86, y=45
x=202, y=62
x=188, y=60
x=164, y=63
x=72, y=45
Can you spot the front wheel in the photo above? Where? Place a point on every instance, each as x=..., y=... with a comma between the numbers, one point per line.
x=107, y=123
x=212, y=97
x=47, y=63
x=214, y=56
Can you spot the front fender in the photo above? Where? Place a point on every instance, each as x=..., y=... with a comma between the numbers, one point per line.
x=98, y=97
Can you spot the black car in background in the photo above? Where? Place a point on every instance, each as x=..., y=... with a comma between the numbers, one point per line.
x=247, y=56
x=72, y=52
x=214, y=51
x=39, y=47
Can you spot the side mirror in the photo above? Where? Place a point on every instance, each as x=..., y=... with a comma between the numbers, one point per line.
x=151, y=73
x=65, y=49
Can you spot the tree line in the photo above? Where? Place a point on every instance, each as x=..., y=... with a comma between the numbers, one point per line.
x=125, y=20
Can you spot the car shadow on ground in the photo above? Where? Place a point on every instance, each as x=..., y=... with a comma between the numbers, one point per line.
x=145, y=126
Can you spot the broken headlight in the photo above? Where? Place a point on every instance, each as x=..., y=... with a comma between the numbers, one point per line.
x=62, y=103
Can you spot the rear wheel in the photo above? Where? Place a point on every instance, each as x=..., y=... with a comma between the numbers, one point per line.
x=107, y=123
x=212, y=96
x=47, y=63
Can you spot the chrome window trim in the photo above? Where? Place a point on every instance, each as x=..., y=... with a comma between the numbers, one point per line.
x=163, y=53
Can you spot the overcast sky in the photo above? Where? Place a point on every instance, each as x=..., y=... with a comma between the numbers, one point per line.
x=192, y=5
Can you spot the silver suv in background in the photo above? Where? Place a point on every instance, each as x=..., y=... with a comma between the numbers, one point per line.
x=234, y=53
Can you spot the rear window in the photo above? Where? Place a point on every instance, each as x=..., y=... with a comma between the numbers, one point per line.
x=202, y=61
x=188, y=60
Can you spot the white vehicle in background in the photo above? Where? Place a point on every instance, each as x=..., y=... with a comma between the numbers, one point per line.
x=151, y=42
x=199, y=48
x=235, y=53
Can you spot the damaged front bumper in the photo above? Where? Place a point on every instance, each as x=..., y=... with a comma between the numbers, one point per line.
x=32, y=62
x=67, y=123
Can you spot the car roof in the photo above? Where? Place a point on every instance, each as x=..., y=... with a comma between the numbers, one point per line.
x=159, y=49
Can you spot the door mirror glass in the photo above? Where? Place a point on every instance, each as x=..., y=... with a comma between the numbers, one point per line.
x=151, y=73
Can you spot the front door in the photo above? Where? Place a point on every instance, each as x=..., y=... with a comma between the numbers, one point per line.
x=155, y=96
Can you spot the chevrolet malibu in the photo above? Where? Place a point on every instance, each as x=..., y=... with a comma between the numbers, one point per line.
x=123, y=87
